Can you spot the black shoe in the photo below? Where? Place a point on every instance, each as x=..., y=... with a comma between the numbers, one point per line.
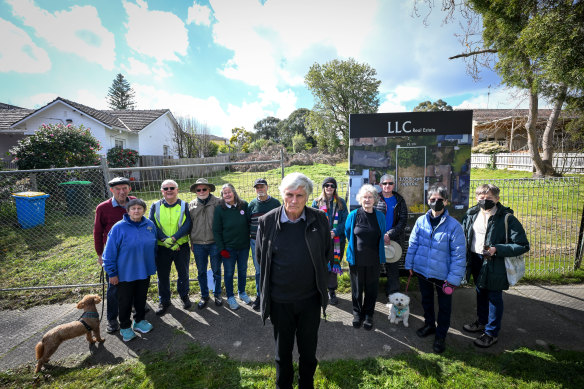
x=425, y=331
x=439, y=346
x=218, y=301
x=357, y=321
x=485, y=340
x=161, y=309
x=186, y=302
x=203, y=303
x=368, y=324
x=112, y=326
x=256, y=304
x=333, y=300
x=474, y=327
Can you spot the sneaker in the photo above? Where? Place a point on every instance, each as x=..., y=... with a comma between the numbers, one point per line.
x=333, y=300
x=112, y=326
x=186, y=302
x=127, y=334
x=218, y=301
x=474, y=327
x=368, y=324
x=203, y=303
x=256, y=304
x=161, y=309
x=245, y=298
x=485, y=340
x=439, y=345
x=232, y=303
x=142, y=326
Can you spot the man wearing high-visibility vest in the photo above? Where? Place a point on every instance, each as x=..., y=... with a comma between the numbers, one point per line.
x=171, y=216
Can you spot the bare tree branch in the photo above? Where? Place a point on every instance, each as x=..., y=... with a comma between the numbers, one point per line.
x=471, y=53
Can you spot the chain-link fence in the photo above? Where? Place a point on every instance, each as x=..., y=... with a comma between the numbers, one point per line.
x=46, y=239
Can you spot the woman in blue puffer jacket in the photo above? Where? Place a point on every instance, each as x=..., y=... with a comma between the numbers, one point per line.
x=437, y=254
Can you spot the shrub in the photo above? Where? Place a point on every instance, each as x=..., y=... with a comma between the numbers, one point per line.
x=57, y=145
x=224, y=149
x=489, y=148
x=298, y=143
x=120, y=157
x=261, y=144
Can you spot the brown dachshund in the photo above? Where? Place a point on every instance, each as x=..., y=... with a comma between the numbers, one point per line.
x=88, y=323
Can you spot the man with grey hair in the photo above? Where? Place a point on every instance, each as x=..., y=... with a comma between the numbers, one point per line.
x=394, y=207
x=293, y=247
x=173, y=223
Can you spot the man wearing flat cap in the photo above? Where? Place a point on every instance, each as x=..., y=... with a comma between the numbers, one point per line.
x=202, y=209
x=107, y=214
x=259, y=206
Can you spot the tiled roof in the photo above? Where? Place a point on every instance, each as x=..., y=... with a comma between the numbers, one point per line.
x=8, y=106
x=102, y=116
x=490, y=115
x=11, y=116
x=136, y=119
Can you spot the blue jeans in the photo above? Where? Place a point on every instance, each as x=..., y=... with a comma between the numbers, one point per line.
x=164, y=260
x=256, y=265
x=202, y=252
x=240, y=257
x=112, y=300
x=490, y=310
x=444, y=305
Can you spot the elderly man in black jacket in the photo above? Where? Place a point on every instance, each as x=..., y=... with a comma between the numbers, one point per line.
x=293, y=247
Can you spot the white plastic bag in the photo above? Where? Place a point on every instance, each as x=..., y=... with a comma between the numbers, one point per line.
x=515, y=266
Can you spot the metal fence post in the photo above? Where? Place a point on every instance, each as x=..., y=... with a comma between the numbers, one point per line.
x=282, y=161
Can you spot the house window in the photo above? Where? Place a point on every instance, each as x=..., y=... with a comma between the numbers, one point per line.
x=166, y=151
x=119, y=143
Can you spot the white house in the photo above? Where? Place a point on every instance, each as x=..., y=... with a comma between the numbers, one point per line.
x=150, y=132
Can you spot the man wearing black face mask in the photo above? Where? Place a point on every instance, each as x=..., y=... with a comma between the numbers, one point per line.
x=437, y=255
x=487, y=247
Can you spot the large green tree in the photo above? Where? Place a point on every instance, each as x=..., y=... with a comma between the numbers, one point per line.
x=120, y=94
x=296, y=123
x=340, y=88
x=428, y=106
x=534, y=45
x=240, y=139
x=267, y=128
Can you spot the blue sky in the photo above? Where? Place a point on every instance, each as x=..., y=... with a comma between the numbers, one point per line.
x=229, y=63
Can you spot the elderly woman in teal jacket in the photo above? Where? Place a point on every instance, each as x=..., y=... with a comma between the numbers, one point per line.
x=437, y=254
x=365, y=230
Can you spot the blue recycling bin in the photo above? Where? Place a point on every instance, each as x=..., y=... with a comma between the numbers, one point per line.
x=30, y=208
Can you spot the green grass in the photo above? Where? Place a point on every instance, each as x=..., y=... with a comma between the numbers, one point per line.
x=200, y=367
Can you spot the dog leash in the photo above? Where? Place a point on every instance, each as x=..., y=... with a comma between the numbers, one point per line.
x=102, y=282
x=447, y=288
x=408, y=284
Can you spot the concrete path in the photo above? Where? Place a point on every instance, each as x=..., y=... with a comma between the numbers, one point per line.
x=535, y=316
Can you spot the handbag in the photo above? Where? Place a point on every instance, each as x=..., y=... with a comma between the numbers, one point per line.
x=515, y=266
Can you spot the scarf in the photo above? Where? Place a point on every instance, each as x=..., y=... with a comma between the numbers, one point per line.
x=336, y=266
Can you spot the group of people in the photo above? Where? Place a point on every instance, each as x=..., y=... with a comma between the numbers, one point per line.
x=297, y=253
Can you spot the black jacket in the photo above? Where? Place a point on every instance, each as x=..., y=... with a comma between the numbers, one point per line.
x=493, y=275
x=318, y=239
x=400, y=216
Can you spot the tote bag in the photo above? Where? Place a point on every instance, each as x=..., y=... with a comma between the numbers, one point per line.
x=515, y=266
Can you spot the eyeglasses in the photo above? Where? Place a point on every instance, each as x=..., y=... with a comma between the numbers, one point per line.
x=330, y=186
x=202, y=189
x=435, y=200
x=387, y=183
x=169, y=188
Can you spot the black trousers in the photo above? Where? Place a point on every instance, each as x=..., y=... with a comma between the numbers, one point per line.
x=298, y=320
x=364, y=280
x=132, y=294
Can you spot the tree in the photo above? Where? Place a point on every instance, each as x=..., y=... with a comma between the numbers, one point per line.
x=340, y=88
x=192, y=139
x=267, y=128
x=534, y=45
x=240, y=139
x=298, y=143
x=120, y=95
x=57, y=145
x=296, y=123
x=428, y=106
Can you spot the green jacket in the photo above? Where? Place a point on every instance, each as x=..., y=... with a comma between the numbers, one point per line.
x=493, y=275
x=231, y=227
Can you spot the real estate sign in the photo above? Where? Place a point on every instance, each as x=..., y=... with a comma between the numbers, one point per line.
x=419, y=149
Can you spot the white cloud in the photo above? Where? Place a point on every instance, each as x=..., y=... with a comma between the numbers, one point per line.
x=157, y=34
x=36, y=101
x=78, y=30
x=136, y=67
x=199, y=15
x=86, y=97
x=396, y=101
x=18, y=53
x=497, y=98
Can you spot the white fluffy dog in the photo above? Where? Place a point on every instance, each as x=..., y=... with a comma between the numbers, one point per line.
x=399, y=308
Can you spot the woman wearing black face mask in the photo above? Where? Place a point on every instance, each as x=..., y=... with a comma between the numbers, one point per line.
x=437, y=255
x=487, y=247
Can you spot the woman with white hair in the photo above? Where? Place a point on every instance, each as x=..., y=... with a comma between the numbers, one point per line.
x=365, y=230
x=293, y=247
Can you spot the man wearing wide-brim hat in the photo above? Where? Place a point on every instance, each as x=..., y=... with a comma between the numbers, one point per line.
x=201, y=210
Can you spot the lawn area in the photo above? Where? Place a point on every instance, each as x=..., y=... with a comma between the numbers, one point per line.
x=202, y=368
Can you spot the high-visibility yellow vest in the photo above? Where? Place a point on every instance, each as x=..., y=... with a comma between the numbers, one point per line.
x=169, y=220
